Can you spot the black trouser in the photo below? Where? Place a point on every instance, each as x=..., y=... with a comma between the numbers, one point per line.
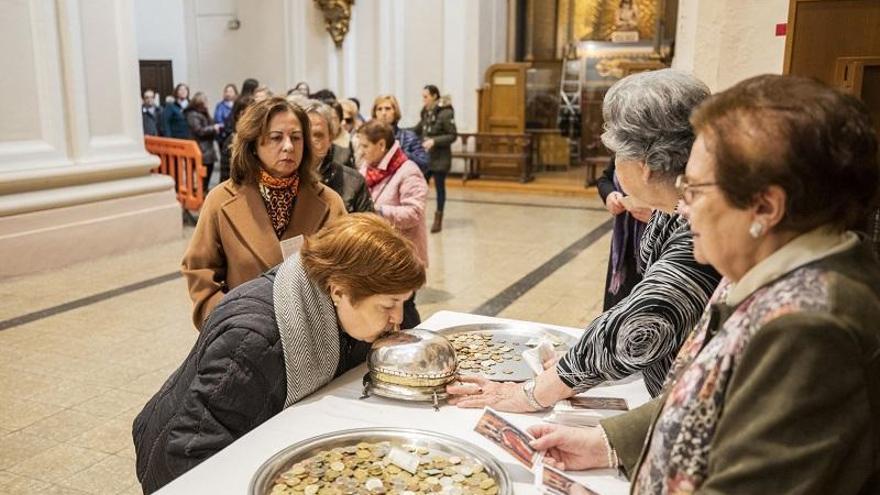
x=411, y=318
x=207, y=180
x=440, y=186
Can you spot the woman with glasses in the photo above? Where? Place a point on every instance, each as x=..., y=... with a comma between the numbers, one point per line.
x=777, y=389
x=273, y=195
x=647, y=129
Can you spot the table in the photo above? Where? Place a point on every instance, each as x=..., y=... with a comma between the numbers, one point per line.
x=337, y=407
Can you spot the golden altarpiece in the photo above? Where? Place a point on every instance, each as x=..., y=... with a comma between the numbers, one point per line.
x=564, y=55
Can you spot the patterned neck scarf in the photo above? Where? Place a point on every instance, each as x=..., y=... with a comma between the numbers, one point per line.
x=279, y=196
x=376, y=175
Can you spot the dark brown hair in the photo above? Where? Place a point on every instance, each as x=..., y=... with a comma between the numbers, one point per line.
x=814, y=142
x=253, y=126
x=375, y=131
x=365, y=255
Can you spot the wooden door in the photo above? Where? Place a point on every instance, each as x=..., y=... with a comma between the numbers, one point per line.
x=157, y=75
x=838, y=42
x=505, y=106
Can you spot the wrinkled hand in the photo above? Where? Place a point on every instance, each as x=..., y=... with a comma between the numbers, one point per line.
x=428, y=144
x=570, y=448
x=613, y=204
x=641, y=214
x=476, y=391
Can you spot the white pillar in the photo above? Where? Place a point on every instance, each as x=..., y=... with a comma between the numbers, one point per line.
x=74, y=175
x=723, y=42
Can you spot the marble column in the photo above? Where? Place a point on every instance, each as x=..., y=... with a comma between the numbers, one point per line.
x=74, y=175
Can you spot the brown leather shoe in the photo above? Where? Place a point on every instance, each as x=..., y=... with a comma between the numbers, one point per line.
x=438, y=222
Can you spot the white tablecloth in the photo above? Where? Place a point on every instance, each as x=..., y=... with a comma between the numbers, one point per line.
x=337, y=407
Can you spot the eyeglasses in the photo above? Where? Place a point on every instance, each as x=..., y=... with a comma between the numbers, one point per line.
x=687, y=190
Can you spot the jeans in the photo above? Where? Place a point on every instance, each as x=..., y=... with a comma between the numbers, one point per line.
x=440, y=186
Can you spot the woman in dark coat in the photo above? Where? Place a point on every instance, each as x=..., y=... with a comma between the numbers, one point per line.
x=173, y=121
x=204, y=131
x=438, y=132
x=348, y=183
x=273, y=341
x=623, y=261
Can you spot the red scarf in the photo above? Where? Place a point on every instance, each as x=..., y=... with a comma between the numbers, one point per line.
x=278, y=195
x=376, y=175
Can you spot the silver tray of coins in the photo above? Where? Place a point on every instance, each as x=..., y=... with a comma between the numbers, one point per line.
x=374, y=461
x=494, y=350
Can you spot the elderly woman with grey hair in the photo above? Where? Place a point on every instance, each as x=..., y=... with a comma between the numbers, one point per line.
x=647, y=129
x=335, y=173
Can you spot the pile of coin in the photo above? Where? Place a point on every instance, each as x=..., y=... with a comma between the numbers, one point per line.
x=366, y=468
x=480, y=353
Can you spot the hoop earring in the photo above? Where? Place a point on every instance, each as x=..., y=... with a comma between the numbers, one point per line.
x=756, y=230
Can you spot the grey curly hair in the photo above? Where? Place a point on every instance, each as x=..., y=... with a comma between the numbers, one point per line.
x=647, y=119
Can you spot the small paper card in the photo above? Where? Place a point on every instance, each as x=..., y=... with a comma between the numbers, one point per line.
x=556, y=482
x=403, y=459
x=509, y=437
x=609, y=403
x=291, y=246
x=537, y=356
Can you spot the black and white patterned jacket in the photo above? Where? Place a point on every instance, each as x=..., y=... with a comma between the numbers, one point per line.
x=644, y=331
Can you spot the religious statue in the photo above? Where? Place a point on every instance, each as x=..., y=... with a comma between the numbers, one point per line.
x=626, y=23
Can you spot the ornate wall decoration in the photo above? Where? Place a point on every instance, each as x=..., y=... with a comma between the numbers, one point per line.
x=596, y=19
x=337, y=14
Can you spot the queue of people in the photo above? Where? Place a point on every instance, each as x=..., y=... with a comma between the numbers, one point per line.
x=738, y=286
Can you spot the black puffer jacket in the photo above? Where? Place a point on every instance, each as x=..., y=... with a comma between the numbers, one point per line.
x=346, y=181
x=203, y=131
x=438, y=123
x=232, y=381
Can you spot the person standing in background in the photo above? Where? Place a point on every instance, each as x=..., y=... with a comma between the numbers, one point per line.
x=350, y=120
x=204, y=131
x=438, y=132
x=173, y=121
x=222, y=116
x=629, y=224
x=151, y=114
x=345, y=180
x=249, y=87
x=238, y=108
x=399, y=193
x=386, y=109
x=224, y=107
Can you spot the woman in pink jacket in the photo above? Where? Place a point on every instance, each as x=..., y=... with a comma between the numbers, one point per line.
x=399, y=193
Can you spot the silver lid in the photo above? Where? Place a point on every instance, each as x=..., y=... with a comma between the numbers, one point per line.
x=412, y=357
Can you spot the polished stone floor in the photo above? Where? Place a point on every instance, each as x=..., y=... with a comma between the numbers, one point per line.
x=86, y=346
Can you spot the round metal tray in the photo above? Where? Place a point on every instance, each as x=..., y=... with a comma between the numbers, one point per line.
x=515, y=335
x=261, y=483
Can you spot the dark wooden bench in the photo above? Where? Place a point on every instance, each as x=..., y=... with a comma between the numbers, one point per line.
x=502, y=155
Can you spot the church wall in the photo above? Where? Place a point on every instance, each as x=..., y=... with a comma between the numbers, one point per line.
x=725, y=41
x=393, y=46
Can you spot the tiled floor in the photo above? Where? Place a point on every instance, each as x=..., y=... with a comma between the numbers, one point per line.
x=71, y=383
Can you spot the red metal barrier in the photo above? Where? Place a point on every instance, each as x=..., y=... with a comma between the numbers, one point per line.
x=182, y=160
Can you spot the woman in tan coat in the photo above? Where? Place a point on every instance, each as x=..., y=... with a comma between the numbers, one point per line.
x=269, y=199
